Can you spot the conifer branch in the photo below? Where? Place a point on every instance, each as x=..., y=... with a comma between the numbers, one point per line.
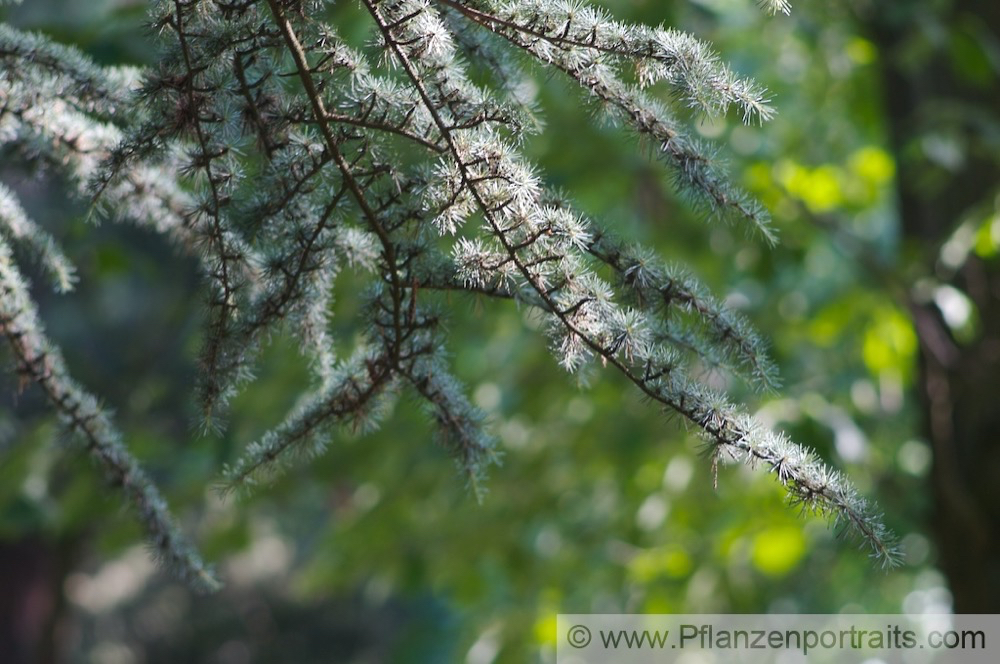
x=460, y=423
x=39, y=362
x=33, y=60
x=348, y=399
x=653, y=286
x=16, y=225
x=224, y=246
x=694, y=171
x=582, y=309
x=686, y=63
x=320, y=115
x=49, y=131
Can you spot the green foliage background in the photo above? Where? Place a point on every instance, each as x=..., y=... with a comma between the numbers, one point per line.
x=376, y=552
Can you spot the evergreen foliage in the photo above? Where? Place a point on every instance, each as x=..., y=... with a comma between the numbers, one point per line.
x=280, y=156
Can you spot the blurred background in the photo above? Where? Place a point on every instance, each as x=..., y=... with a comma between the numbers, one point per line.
x=882, y=302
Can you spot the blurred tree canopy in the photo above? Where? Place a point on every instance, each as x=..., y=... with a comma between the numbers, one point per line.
x=881, y=301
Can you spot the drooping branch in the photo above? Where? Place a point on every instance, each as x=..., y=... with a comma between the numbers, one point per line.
x=347, y=399
x=693, y=170
x=688, y=64
x=39, y=362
